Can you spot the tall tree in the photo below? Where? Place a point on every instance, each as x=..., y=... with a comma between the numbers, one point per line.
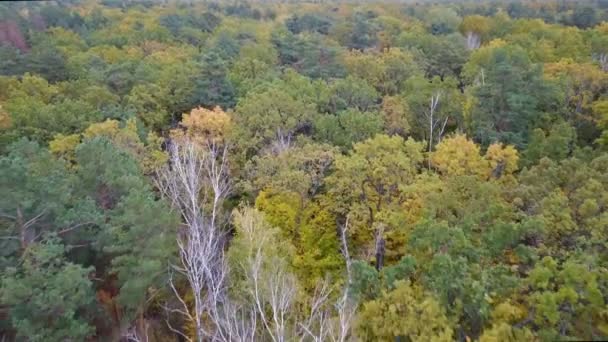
x=512, y=98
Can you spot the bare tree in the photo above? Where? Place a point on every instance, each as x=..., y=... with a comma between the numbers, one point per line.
x=346, y=306
x=196, y=183
x=602, y=58
x=344, y=309
x=435, y=121
x=271, y=288
x=131, y=335
x=473, y=40
x=282, y=142
x=238, y=322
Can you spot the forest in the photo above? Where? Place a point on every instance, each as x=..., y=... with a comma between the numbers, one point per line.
x=177, y=170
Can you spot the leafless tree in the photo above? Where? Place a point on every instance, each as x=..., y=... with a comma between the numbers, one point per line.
x=282, y=142
x=346, y=306
x=435, y=121
x=319, y=325
x=473, y=40
x=131, y=335
x=272, y=289
x=238, y=322
x=602, y=58
x=196, y=183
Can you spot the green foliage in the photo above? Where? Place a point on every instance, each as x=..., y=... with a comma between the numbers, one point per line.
x=46, y=60
x=455, y=152
x=310, y=55
x=319, y=253
x=348, y=127
x=556, y=145
x=418, y=94
x=211, y=84
x=37, y=191
x=441, y=56
x=255, y=235
x=387, y=71
x=300, y=170
x=566, y=298
x=584, y=17
x=37, y=112
x=511, y=100
x=309, y=22
x=48, y=295
x=365, y=283
x=139, y=262
x=271, y=113
x=104, y=202
x=371, y=182
x=353, y=93
x=443, y=20
x=361, y=31
x=566, y=196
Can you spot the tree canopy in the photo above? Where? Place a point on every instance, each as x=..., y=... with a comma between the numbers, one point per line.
x=303, y=171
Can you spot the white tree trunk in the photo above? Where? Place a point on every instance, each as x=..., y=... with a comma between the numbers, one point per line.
x=196, y=183
x=473, y=40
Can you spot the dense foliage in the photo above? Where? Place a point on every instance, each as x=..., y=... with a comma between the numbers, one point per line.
x=231, y=171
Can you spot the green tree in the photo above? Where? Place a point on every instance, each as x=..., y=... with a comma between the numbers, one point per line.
x=49, y=297
x=38, y=192
x=556, y=145
x=299, y=169
x=310, y=54
x=584, y=16
x=567, y=299
x=435, y=107
x=348, y=127
x=387, y=71
x=475, y=28
x=46, y=60
x=371, y=183
x=442, y=20
x=138, y=262
x=37, y=111
x=442, y=56
x=512, y=99
x=353, y=93
x=211, y=84
x=270, y=114
x=359, y=32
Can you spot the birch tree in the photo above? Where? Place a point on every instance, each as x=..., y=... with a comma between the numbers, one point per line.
x=434, y=104
x=196, y=183
x=474, y=28
x=265, y=281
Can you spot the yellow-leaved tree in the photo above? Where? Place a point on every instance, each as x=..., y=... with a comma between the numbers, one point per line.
x=459, y=156
x=203, y=124
x=125, y=136
x=408, y=313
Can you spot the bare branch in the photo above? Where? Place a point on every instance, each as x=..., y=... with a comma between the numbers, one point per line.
x=473, y=40
x=33, y=220
x=11, y=217
x=346, y=307
x=69, y=229
x=196, y=183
